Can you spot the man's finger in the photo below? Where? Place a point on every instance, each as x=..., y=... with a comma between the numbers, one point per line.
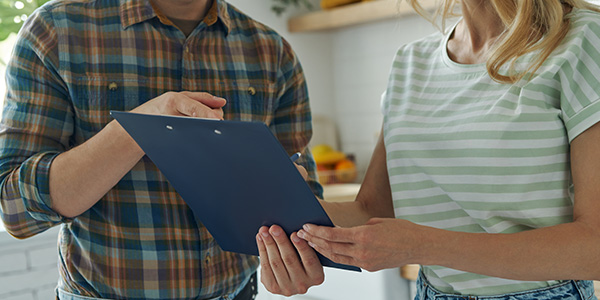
x=189, y=107
x=281, y=275
x=206, y=99
x=310, y=260
x=288, y=252
x=302, y=171
x=218, y=113
x=266, y=276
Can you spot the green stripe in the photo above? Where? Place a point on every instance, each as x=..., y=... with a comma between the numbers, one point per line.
x=487, y=171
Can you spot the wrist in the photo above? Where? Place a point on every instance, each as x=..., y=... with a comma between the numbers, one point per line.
x=123, y=139
x=426, y=245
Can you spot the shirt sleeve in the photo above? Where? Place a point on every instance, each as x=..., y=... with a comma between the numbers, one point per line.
x=36, y=126
x=580, y=82
x=292, y=121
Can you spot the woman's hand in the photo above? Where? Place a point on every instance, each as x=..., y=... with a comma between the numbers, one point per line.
x=190, y=104
x=379, y=244
x=287, y=269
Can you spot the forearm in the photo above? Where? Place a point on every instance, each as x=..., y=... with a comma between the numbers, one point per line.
x=374, y=199
x=82, y=175
x=346, y=214
x=566, y=251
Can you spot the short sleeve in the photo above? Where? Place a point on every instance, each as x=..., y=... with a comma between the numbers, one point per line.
x=580, y=77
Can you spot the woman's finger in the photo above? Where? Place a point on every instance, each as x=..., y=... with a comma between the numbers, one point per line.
x=329, y=247
x=338, y=257
x=333, y=234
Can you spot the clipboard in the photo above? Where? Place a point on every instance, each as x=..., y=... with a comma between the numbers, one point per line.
x=234, y=175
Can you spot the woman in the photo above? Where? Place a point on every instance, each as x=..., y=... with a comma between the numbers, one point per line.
x=488, y=161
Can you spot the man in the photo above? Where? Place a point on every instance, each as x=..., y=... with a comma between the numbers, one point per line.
x=125, y=233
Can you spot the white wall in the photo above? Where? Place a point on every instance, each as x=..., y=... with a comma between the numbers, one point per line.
x=362, y=59
x=29, y=267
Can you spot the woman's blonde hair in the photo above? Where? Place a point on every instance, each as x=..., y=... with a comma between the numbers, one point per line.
x=530, y=25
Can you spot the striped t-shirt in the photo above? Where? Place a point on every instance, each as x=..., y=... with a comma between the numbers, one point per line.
x=466, y=153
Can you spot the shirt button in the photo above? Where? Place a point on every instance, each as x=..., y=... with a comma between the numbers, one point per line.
x=187, y=49
x=113, y=86
x=251, y=91
x=207, y=260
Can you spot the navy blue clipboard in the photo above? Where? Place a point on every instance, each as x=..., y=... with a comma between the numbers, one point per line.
x=235, y=176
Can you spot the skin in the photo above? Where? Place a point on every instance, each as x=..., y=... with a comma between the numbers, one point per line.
x=369, y=237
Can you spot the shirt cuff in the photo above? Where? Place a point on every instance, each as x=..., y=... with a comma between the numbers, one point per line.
x=34, y=187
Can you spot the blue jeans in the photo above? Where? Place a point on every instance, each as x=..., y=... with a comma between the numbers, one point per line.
x=568, y=290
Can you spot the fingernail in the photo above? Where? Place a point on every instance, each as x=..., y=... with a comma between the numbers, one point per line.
x=295, y=239
x=259, y=238
x=311, y=244
x=301, y=234
x=276, y=232
x=265, y=234
x=306, y=227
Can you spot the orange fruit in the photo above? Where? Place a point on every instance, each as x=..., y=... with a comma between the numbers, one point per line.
x=345, y=171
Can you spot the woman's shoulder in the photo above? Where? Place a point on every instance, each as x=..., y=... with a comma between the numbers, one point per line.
x=583, y=35
x=423, y=46
x=584, y=21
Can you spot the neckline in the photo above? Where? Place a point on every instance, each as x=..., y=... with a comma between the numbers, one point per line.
x=471, y=68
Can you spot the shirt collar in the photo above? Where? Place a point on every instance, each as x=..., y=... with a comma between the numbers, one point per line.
x=138, y=11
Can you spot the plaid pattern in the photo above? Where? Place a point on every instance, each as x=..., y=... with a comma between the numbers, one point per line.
x=77, y=60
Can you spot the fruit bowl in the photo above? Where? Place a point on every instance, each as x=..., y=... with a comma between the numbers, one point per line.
x=333, y=166
x=335, y=176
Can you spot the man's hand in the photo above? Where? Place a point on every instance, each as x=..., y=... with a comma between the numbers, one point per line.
x=285, y=269
x=302, y=171
x=190, y=104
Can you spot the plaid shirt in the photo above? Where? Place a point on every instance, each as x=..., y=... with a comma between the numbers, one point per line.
x=77, y=60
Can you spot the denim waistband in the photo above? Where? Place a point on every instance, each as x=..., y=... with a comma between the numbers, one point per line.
x=63, y=295
x=567, y=290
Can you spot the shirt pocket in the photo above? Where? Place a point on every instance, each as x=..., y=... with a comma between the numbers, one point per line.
x=97, y=96
x=249, y=100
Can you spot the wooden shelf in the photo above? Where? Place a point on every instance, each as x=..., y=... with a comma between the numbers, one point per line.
x=353, y=14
